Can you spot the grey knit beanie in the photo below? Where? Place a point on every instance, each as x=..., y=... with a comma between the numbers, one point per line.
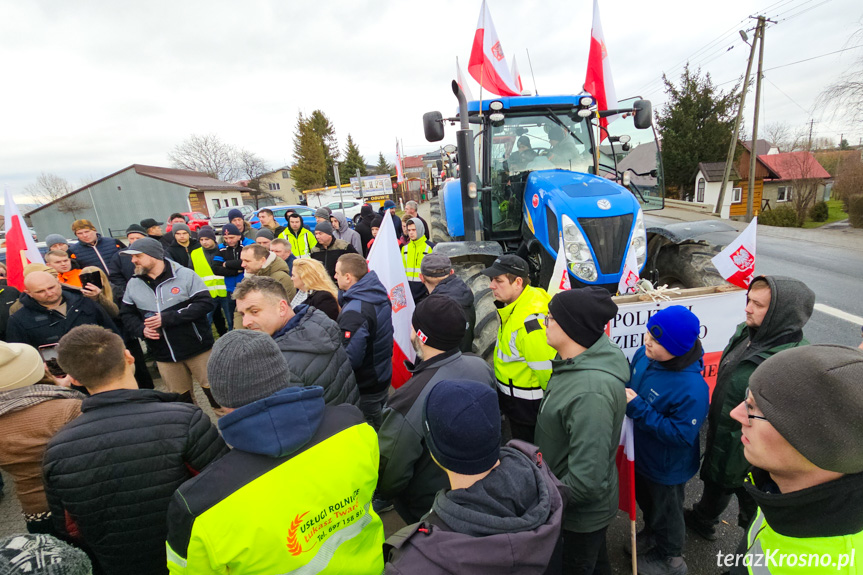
x=813, y=396
x=322, y=213
x=181, y=228
x=27, y=554
x=246, y=366
x=55, y=239
x=265, y=233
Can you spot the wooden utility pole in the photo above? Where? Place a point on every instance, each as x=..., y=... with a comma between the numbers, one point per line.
x=729, y=162
x=753, y=155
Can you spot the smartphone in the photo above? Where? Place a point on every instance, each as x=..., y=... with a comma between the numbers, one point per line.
x=49, y=356
x=94, y=278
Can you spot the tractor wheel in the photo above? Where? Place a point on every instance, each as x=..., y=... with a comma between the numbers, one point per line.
x=540, y=266
x=438, y=226
x=687, y=265
x=487, y=319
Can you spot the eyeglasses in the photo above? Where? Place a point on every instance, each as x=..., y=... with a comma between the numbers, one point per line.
x=545, y=321
x=746, y=405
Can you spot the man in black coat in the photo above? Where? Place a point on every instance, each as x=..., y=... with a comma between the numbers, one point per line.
x=110, y=474
x=437, y=275
x=49, y=312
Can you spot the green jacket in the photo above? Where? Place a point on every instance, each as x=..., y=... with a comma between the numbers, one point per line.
x=791, y=305
x=578, y=431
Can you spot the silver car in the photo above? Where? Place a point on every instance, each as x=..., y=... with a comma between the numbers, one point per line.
x=220, y=218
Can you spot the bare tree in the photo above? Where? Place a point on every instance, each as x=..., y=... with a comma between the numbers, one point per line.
x=805, y=184
x=73, y=205
x=207, y=154
x=253, y=167
x=47, y=188
x=779, y=135
x=845, y=95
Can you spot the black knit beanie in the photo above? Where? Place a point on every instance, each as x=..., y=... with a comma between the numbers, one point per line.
x=583, y=313
x=440, y=322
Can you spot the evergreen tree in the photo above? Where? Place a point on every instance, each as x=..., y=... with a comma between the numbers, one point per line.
x=383, y=167
x=695, y=126
x=310, y=170
x=353, y=160
x=326, y=134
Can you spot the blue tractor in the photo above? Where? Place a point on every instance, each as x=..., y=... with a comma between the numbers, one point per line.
x=538, y=172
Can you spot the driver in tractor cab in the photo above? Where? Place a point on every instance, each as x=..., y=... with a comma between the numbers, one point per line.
x=563, y=151
x=522, y=356
x=524, y=155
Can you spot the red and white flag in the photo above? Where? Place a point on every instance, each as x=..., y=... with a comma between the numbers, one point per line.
x=626, y=469
x=20, y=247
x=487, y=62
x=629, y=278
x=598, y=82
x=736, y=263
x=516, y=76
x=462, y=82
x=560, y=276
x=385, y=259
x=400, y=176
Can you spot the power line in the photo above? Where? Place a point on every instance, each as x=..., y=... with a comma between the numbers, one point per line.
x=804, y=11
x=801, y=61
x=808, y=112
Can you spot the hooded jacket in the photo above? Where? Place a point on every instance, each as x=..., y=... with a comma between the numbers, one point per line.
x=330, y=255
x=578, y=431
x=99, y=254
x=367, y=333
x=364, y=227
x=295, y=491
x=667, y=415
x=180, y=254
x=302, y=241
x=791, y=305
x=346, y=233
x=311, y=344
x=507, y=522
x=111, y=472
x=37, y=325
x=453, y=287
x=407, y=473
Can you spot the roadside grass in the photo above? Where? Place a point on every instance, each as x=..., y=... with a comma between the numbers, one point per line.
x=835, y=214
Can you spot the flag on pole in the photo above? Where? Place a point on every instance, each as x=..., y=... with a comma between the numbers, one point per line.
x=461, y=81
x=629, y=278
x=736, y=263
x=560, y=276
x=626, y=469
x=516, y=76
x=400, y=176
x=386, y=261
x=598, y=82
x=20, y=247
x=487, y=62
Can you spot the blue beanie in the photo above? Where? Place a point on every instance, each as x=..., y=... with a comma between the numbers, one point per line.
x=389, y=204
x=461, y=425
x=231, y=230
x=235, y=213
x=675, y=328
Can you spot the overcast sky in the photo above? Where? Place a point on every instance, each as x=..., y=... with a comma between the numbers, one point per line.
x=90, y=87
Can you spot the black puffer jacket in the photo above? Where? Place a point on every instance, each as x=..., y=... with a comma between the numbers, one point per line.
x=453, y=287
x=312, y=346
x=36, y=325
x=110, y=474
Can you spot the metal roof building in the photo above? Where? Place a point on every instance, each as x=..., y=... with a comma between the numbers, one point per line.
x=132, y=194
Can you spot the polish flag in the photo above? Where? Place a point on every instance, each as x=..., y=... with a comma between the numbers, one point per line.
x=598, y=82
x=399, y=173
x=461, y=81
x=487, y=63
x=629, y=278
x=516, y=76
x=385, y=260
x=736, y=263
x=626, y=469
x=20, y=247
x=560, y=276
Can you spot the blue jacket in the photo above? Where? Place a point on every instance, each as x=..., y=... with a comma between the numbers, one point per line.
x=667, y=415
x=227, y=263
x=367, y=333
x=99, y=255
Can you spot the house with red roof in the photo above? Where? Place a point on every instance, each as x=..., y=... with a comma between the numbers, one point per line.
x=799, y=173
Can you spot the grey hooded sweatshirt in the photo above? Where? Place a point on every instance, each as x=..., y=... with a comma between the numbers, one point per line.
x=346, y=233
x=508, y=522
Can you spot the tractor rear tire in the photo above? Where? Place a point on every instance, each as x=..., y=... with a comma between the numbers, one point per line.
x=487, y=319
x=438, y=225
x=688, y=265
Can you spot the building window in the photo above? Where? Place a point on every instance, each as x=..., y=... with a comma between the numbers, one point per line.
x=216, y=204
x=736, y=195
x=235, y=202
x=783, y=194
x=275, y=187
x=286, y=174
x=700, y=196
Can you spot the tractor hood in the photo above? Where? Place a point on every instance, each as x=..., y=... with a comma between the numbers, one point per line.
x=577, y=194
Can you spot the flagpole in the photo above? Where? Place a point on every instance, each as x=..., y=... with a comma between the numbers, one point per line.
x=634, y=550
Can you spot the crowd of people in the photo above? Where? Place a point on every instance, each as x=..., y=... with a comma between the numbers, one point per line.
x=502, y=468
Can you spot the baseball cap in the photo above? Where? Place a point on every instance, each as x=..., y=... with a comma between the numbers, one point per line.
x=507, y=264
x=149, y=223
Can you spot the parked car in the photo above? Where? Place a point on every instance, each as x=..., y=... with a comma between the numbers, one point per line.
x=352, y=209
x=43, y=249
x=194, y=220
x=220, y=218
x=279, y=212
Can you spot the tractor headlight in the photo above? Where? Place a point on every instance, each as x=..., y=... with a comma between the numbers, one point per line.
x=577, y=251
x=638, y=243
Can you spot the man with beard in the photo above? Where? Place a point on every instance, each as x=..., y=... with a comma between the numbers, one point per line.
x=167, y=305
x=408, y=474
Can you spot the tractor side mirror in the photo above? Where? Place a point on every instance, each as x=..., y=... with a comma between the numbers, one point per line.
x=643, y=114
x=433, y=126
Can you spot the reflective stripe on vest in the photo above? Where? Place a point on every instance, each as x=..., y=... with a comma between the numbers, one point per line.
x=510, y=363
x=214, y=283
x=412, y=257
x=301, y=244
x=530, y=394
